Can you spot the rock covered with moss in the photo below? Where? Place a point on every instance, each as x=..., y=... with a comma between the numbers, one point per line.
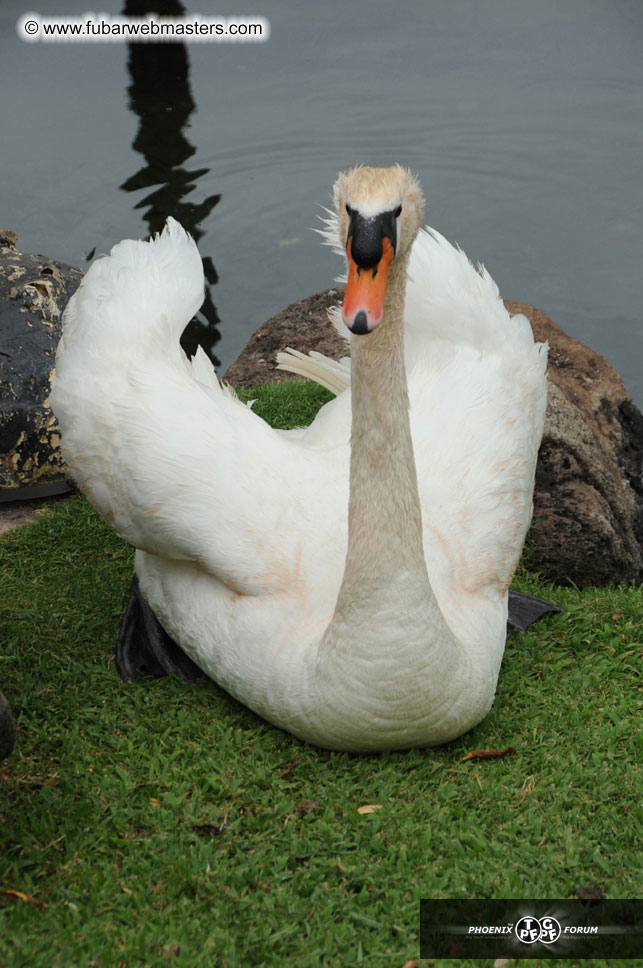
x=34, y=290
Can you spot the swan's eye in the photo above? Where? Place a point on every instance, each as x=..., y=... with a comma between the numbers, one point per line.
x=397, y=212
x=349, y=210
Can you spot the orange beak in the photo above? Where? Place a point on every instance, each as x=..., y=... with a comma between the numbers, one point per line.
x=364, y=297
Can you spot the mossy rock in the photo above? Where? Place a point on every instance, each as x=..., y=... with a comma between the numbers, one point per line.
x=34, y=291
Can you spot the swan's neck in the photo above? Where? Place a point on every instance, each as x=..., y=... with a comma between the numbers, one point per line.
x=385, y=578
x=388, y=655
x=384, y=518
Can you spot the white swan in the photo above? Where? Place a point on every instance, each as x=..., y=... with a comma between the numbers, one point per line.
x=356, y=617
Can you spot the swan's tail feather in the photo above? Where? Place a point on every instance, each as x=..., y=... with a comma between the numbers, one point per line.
x=334, y=375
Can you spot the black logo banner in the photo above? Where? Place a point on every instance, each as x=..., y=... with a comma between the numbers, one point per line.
x=531, y=929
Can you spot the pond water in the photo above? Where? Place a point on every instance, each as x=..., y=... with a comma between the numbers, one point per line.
x=523, y=120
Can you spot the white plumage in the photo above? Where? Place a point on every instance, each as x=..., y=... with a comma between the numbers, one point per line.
x=242, y=531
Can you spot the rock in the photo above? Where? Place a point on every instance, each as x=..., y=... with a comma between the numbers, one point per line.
x=588, y=501
x=303, y=325
x=33, y=293
x=7, y=728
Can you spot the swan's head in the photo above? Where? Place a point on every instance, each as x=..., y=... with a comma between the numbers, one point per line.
x=379, y=211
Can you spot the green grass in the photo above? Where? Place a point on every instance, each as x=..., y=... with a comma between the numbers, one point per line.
x=162, y=823
x=292, y=403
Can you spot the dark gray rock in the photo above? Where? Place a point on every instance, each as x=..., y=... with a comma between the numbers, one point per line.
x=34, y=290
x=588, y=501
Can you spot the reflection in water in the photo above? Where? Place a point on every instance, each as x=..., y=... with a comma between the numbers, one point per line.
x=160, y=95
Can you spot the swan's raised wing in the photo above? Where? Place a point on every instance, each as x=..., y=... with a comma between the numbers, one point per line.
x=177, y=465
x=476, y=424
x=478, y=391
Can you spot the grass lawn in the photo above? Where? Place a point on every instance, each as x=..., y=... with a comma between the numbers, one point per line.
x=162, y=823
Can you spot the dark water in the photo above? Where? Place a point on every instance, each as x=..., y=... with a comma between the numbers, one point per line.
x=523, y=120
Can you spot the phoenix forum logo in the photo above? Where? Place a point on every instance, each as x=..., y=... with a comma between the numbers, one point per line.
x=546, y=930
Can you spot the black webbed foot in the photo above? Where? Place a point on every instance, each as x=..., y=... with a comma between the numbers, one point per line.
x=7, y=728
x=143, y=645
x=524, y=610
